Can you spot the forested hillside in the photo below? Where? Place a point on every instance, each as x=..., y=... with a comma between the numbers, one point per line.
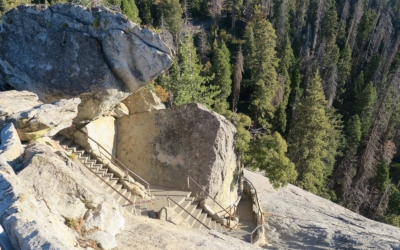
x=311, y=85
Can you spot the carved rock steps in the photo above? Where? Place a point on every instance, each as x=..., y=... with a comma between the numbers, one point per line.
x=148, y=209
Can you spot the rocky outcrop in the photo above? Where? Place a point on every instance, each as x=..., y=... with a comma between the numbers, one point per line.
x=51, y=203
x=66, y=51
x=103, y=131
x=143, y=101
x=141, y=233
x=164, y=146
x=32, y=119
x=10, y=145
x=297, y=219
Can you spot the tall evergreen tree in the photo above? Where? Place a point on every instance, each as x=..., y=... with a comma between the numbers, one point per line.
x=191, y=86
x=262, y=62
x=172, y=12
x=221, y=68
x=130, y=9
x=308, y=138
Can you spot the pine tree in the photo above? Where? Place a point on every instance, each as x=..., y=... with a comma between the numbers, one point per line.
x=344, y=68
x=172, y=12
x=130, y=9
x=221, y=68
x=268, y=154
x=285, y=65
x=262, y=62
x=191, y=86
x=308, y=138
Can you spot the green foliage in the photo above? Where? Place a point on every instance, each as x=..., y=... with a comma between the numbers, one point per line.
x=330, y=23
x=144, y=7
x=308, y=138
x=221, y=68
x=130, y=9
x=344, y=68
x=171, y=11
x=353, y=130
x=96, y=22
x=366, y=25
x=382, y=176
x=262, y=62
x=188, y=85
x=268, y=154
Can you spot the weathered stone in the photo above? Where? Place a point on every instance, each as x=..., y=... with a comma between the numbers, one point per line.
x=10, y=144
x=96, y=54
x=62, y=193
x=32, y=119
x=104, y=240
x=103, y=131
x=121, y=110
x=143, y=233
x=27, y=220
x=165, y=146
x=143, y=101
x=297, y=219
x=12, y=102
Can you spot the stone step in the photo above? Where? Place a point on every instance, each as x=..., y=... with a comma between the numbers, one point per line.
x=196, y=214
x=202, y=217
x=185, y=204
x=213, y=225
x=190, y=210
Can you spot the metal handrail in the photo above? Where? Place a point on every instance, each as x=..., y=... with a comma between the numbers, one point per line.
x=114, y=159
x=106, y=183
x=258, y=203
x=230, y=214
x=188, y=213
x=169, y=199
x=251, y=233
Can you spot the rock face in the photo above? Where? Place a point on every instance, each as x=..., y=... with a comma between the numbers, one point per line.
x=164, y=146
x=33, y=119
x=51, y=204
x=10, y=145
x=297, y=219
x=143, y=101
x=67, y=51
x=102, y=130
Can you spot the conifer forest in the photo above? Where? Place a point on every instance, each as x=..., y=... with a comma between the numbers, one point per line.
x=312, y=87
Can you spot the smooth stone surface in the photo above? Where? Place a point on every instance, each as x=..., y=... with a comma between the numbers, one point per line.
x=165, y=146
x=104, y=132
x=147, y=234
x=297, y=219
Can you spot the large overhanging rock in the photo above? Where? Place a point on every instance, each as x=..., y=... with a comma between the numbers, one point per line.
x=31, y=118
x=65, y=51
x=165, y=146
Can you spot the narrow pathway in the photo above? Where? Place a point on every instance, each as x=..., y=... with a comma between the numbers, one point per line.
x=247, y=221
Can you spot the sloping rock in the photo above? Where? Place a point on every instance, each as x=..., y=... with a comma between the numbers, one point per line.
x=143, y=101
x=164, y=146
x=54, y=192
x=96, y=54
x=144, y=234
x=28, y=222
x=10, y=144
x=297, y=219
x=121, y=110
x=33, y=119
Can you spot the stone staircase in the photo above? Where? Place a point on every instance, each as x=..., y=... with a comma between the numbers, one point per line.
x=148, y=207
